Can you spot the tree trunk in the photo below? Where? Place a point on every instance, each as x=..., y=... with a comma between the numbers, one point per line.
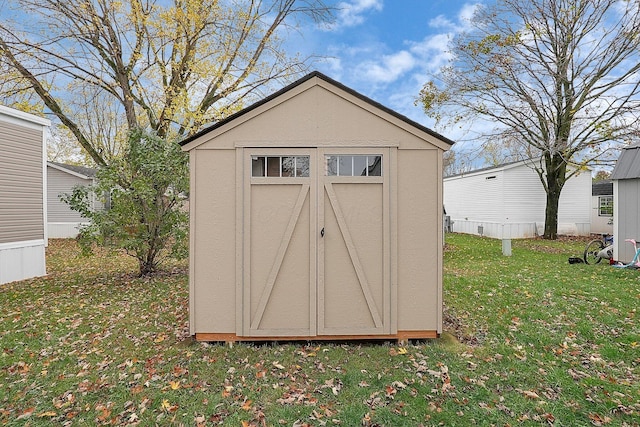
x=147, y=266
x=551, y=215
x=555, y=172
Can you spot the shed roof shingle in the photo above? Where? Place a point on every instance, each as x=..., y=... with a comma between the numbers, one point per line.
x=602, y=188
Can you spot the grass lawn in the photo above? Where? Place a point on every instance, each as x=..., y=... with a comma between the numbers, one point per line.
x=531, y=340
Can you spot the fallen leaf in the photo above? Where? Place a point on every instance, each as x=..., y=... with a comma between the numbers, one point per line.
x=26, y=413
x=598, y=420
x=168, y=407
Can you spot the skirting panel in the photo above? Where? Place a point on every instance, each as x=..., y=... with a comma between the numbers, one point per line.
x=63, y=230
x=20, y=263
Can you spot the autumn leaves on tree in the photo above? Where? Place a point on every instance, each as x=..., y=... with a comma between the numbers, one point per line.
x=105, y=67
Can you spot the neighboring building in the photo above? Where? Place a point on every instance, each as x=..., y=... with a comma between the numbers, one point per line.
x=508, y=202
x=602, y=207
x=325, y=220
x=23, y=214
x=626, y=202
x=63, y=222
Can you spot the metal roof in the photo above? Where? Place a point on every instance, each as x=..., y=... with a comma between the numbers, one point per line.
x=495, y=168
x=628, y=164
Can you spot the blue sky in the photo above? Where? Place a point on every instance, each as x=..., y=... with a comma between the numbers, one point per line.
x=385, y=49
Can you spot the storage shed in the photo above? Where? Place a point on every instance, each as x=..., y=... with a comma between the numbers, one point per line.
x=23, y=231
x=626, y=202
x=508, y=202
x=315, y=213
x=63, y=222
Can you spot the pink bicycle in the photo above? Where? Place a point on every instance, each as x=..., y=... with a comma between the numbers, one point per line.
x=635, y=262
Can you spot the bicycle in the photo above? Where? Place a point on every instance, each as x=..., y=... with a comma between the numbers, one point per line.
x=599, y=249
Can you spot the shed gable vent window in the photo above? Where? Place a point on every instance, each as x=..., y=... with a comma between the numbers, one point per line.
x=280, y=166
x=354, y=165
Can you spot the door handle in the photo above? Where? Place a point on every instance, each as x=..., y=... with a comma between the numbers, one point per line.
x=322, y=232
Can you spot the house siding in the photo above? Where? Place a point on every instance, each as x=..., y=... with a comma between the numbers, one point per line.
x=522, y=187
x=21, y=184
x=59, y=183
x=600, y=224
x=574, y=211
x=467, y=188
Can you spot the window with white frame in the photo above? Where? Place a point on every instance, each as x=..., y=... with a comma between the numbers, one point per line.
x=280, y=166
x=605, y=205
x=353, y=165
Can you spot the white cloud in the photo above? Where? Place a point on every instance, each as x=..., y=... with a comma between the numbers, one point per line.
x=466, y=13
x=441, y=21
x=389, y=68
x=433, y=51
x=463, y=18
x=332, y=66
x=351, y=14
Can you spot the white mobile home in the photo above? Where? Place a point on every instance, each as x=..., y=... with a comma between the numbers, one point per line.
x=508, y=202
x=61, y=179
x=626, y=202
x=23, y=214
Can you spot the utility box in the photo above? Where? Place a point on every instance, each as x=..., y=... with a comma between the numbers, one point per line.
x=315, y=214
x=448, y=224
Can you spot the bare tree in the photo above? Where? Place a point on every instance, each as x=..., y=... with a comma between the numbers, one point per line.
x=169, y=66
x=559, y=77
x=458, y=162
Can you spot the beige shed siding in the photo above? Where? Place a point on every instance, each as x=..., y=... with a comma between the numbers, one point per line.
x=21, y=188
x=59, y=183
x=419, y=244
x=213, y=245
x=314, y=117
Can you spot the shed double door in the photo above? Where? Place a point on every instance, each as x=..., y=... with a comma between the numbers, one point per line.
x=316, y=242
